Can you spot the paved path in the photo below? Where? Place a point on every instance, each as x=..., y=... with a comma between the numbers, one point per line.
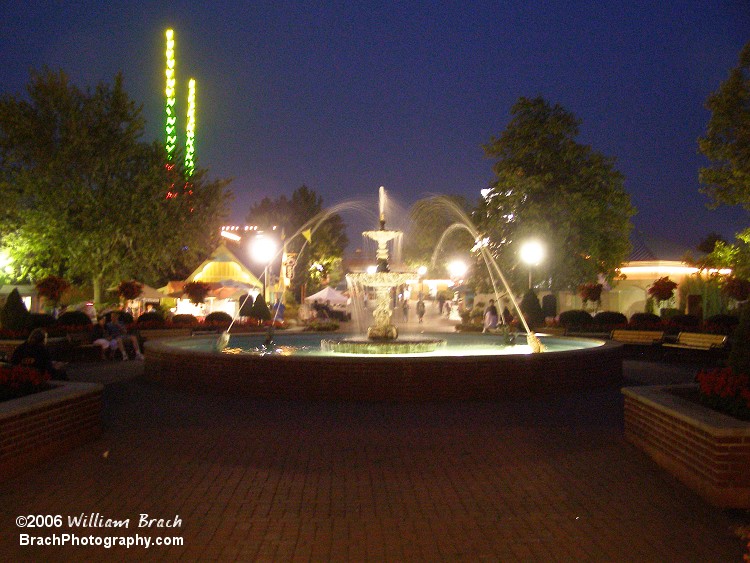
x=549, y=479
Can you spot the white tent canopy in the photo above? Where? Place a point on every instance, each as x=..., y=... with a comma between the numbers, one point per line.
x=328, y=294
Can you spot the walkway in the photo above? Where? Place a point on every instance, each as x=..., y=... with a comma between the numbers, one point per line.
x=549, y=479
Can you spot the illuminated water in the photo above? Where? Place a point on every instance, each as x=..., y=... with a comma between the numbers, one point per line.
x=309, y=344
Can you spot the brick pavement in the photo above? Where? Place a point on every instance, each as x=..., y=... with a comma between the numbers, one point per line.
x=550, y=479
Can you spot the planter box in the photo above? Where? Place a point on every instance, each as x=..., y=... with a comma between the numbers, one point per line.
x=706, y=450
x=39, y=426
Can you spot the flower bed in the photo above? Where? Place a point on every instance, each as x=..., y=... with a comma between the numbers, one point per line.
x=38, y=426
x=18, y=381
x=708, y=451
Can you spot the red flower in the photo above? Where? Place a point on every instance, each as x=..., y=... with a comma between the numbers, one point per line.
x=662, y=289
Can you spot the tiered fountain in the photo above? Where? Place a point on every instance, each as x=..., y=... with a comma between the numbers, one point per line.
x=382, y=336
x=383, y=365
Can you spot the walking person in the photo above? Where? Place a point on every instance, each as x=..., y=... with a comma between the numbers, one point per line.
x=420, y=310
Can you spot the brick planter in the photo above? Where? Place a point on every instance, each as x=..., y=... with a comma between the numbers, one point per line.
x=39, y=426
x=708, y=451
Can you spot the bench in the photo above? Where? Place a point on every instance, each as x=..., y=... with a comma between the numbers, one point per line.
x=698, y=341
x=83, y=348
x=638, y=337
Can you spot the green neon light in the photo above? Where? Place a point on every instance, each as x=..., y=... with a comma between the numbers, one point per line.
x=170, y=130
x=190, y=132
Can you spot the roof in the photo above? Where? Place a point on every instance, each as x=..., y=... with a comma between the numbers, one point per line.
x=646, y=247
x=222, y=265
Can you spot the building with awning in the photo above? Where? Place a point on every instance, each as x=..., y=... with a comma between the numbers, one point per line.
x=229, y=278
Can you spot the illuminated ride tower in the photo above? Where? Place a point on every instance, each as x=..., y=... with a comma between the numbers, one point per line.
x=171, y=125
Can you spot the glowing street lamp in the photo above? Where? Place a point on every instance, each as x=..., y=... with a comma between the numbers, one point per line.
x=457, y=269
x=263, y=249
x=532, y=253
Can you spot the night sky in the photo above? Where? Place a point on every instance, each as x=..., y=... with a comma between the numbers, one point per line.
x=354, y=95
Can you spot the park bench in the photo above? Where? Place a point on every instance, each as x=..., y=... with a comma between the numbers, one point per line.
x=638, y=337
x=83, y=348
x=698, y=341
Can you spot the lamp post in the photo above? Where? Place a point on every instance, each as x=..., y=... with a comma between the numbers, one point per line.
x=263, y=250
x=532, y=253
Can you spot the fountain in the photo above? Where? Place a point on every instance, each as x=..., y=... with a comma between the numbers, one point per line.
x=382, y=335
x=384, y=365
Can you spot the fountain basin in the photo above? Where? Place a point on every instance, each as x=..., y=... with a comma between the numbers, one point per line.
x=469, y=367
x=367, y=346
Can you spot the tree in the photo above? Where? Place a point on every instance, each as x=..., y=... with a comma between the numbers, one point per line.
x=88, y=195
x=430, y=237
x=727, y=146
x=708, y=244
x=320, y=258
x=727, y=140
x=550, y=187
x=14, y=315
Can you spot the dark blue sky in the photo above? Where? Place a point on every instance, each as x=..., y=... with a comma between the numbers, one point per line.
x=354, y=95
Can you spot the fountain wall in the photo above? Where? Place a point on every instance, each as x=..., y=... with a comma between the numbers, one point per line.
x=382, y=377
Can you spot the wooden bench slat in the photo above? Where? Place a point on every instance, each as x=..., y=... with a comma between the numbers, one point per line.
x=642, y=337
x=698, y=341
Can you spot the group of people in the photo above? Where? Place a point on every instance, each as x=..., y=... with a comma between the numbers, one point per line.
x=113, y=336
x=492, y=318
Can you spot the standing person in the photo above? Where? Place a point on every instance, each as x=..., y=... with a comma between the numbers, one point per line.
x=34, y=354
x=405, y=310
x=490, y=316
x=420, y=310
x=119, y=332
x=441, y=302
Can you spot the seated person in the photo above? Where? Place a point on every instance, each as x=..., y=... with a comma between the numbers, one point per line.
x=100, y=336
x=34, y=354
x=118, y=333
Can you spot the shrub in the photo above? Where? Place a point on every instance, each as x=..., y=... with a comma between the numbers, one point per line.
x=41, y=320
x=736, y=288
x=728, y=389
x=14, y=316
x=323, y=326
x=246, y=305
x=610, y=319
x=260, y=310
x=575, y=319
x=218, y=317
x=739, y=356
x=685, y=322
x=184, y=320
x=725, y=390
x=722, y=323
x=152, y=318
x=531, y=309
x=17, y=381
x=645, y=320
x=74, y=318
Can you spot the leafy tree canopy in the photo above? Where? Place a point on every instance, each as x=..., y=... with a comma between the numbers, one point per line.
x=727, y=140
x=550, y=187
x=727, y=146
x=319, y=259
x=87, y=197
